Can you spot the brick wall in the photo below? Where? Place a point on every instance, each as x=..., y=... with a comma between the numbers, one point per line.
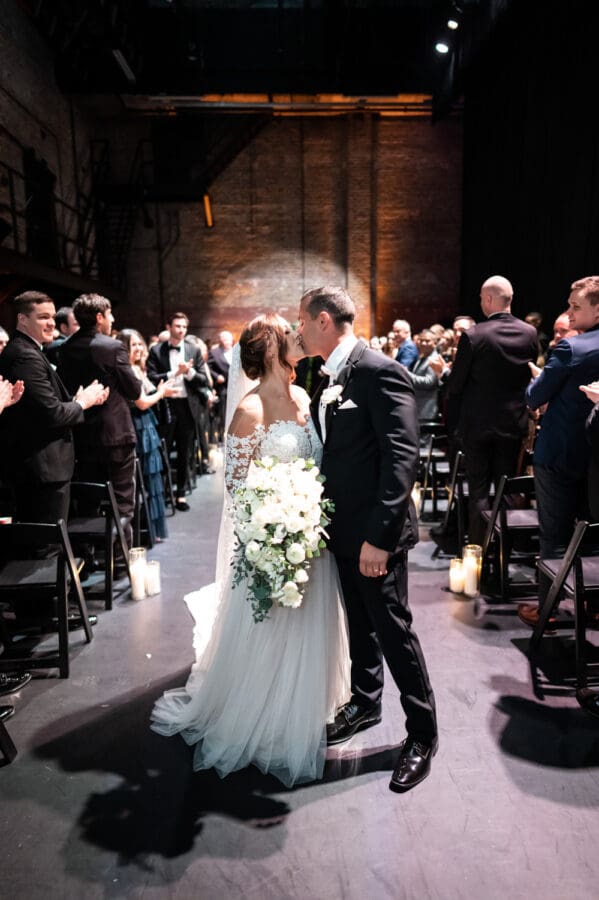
x=374, y=205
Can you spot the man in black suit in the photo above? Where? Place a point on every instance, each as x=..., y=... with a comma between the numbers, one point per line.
x=36, y=442
x=181, y=360
x=369, y=428
x=219, y=361
x=67, y=324
x=488, y=379
x=105, y=446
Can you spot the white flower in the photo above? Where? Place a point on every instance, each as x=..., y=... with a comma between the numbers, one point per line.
x=295, y=554
x=331, y=394
x=252, y=551
x=301, y=576
x=290, y=596
x=293, y=523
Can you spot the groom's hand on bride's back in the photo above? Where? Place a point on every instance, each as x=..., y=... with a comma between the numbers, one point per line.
x=373, y=561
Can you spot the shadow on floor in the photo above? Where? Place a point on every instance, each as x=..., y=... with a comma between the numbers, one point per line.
x=156, y=806
x=557, y=737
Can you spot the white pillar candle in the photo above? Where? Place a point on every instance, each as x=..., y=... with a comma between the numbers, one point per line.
x=138, y=579
x=152, y=578
x=137, y=569
x=456, y=576
x=470, y=576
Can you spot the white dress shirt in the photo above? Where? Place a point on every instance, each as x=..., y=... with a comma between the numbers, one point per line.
x=334, y=362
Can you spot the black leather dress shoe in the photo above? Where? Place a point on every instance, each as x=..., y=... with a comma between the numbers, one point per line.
x=413, y=765
x=350, y=719
x=182, y=505
x=13, y=681
x=6, y=712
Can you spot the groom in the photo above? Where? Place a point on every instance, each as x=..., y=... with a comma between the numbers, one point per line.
x=368, y=425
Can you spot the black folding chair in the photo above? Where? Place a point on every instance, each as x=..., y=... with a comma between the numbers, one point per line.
x=53, y=576
x=510, y=516
x=7, y=747
x=95, y=521
x=576, y=576
x=142, y=510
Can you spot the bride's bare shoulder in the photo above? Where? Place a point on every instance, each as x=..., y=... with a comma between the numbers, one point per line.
x=301, y=398
x=247, y=416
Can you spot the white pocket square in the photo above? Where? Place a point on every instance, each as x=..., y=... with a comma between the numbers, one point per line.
x=348, y=404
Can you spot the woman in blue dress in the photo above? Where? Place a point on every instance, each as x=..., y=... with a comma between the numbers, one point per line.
x=146, y=428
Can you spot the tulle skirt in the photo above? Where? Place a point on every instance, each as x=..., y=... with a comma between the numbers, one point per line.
x=263, y=692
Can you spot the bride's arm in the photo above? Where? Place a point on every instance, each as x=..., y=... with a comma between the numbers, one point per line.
x=242, y=441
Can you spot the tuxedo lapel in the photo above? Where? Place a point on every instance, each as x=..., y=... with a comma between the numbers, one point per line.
x=314, y=406
x=343, y=376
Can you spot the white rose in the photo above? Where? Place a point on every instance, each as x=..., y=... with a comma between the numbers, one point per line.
x=293, y=523
x=301, y=576
x=252, y=551
x=295, y=554
x=290, y=596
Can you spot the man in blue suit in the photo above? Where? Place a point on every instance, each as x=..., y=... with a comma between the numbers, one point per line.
x=561, y=456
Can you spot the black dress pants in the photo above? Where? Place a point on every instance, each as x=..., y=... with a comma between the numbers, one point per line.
x=485, y=461
x=380, y=626
x=181, y=433
x=114, y=464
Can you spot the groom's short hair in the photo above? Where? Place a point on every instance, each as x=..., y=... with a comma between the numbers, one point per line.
x=333, y=300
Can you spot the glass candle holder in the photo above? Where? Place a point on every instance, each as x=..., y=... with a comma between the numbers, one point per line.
x=152, y=578
x=456, y=576
x=473, y=559
x=137, y=568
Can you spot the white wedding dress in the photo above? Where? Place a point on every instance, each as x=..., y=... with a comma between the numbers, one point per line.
x=262, y=692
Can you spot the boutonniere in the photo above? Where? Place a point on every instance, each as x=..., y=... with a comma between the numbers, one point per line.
x=332, y=394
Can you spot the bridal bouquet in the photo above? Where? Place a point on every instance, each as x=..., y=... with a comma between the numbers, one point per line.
x=279, y=520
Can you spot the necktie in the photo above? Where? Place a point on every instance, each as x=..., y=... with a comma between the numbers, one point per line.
x=177, y=349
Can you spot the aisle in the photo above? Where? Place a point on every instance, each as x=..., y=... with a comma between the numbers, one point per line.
x=96, y=805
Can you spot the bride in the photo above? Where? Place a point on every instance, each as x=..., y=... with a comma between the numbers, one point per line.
x=262, y=692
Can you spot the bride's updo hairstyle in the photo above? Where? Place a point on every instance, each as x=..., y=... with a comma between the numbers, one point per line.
x=261, y=335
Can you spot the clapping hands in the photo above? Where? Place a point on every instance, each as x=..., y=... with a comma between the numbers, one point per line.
x=591, y=390
x=95, y=394
x=10, y=393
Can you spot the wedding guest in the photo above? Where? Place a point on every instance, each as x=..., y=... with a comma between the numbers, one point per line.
x=407, y=352
x=207, y=397
x=66, y=324
x=219, y=361
x=179, y=359
x=3, y=339
x=426, y=384
x=488, y=380
x=561, y=454
x=146, y=428
x=561, y=330
x=36, y=441
x=106, y=444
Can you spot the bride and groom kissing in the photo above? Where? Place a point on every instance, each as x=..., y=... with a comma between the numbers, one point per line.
x=276, y=693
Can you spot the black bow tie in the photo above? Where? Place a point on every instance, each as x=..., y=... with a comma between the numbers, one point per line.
x=172, y=347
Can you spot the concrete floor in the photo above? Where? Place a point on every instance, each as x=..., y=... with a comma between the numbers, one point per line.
x=97, y=806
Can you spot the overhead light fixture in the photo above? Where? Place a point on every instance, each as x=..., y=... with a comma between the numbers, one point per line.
x=124, y=66
x=452, y=24
x=208, y=211
x=442, y=47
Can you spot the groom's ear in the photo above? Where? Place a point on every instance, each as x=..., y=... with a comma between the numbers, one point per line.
x=324, y=320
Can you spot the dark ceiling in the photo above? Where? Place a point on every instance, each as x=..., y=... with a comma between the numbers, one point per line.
x=191, y=47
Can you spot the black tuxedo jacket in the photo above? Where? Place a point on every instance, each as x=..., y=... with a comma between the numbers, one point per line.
x=219, y=366
x=35, y=433
x=370, y=454
x=158, y=367
x=490, y=375
x=88, y=355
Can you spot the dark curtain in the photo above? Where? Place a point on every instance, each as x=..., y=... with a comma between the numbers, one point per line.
x=531, y=156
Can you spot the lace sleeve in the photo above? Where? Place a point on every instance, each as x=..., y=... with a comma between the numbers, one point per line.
x=239, y=453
